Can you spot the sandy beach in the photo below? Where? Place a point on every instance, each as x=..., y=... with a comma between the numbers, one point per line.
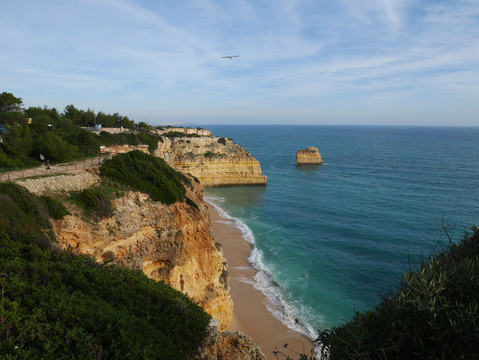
x=250, y=314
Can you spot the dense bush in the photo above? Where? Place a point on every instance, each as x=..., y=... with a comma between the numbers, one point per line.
x=56, y=305
x=146, y=173
x=222, y=140
x=56, y=209
x=24, y=215
x=96, y=200
x=433, y=314
x=7, y=163
x=179, y=134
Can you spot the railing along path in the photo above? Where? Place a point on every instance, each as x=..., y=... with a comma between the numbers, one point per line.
x=53, y=169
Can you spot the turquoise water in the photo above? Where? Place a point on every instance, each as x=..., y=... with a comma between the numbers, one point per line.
x=329, y=239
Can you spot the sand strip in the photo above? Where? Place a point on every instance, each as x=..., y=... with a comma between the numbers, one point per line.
x=250, y=314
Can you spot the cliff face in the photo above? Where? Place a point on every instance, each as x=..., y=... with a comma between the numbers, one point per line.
x=214, y=163
x=169, y=243
x=309, y=155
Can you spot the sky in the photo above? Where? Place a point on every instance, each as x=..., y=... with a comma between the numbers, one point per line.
x=343, y=62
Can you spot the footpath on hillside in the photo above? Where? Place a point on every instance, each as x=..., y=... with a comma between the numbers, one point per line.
x=54, y=169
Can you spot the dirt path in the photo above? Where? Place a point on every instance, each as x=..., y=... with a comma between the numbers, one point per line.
x=54, y=169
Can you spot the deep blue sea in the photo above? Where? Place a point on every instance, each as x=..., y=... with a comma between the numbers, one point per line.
x=329, y=239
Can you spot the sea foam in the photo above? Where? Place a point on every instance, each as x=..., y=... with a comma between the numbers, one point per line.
x=291, y=315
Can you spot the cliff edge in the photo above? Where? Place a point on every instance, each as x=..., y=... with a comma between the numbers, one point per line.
x=213, y=161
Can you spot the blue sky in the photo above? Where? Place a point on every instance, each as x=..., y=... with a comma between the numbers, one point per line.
x=390, y=62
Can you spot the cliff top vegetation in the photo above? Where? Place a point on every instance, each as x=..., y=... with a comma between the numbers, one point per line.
x=148, y=174
x=59, y=137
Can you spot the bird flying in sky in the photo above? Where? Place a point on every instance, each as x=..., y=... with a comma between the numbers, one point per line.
x=230, y=56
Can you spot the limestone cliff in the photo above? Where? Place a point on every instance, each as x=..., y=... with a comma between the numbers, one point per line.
x=214, y=161
x=170, y=243
x=309, y=155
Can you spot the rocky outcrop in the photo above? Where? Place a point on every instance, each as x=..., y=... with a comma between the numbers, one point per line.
x=227, y=346
x=214, y=161
x=121, y=149
x=168, y=243
x=309, y=155
x=45, y=185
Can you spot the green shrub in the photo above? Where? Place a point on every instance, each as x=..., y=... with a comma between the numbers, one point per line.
x=56, y=209
x=433, y=314
x=143, y=172
x=179, y=134
x=192, y=203
x=7, y=163
x=222, y=140
x=24, y=216
x=96, y=200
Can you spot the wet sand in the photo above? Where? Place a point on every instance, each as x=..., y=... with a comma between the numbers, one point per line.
x=250, y=315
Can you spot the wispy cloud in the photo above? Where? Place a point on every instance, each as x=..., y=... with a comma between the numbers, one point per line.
x=294, y=55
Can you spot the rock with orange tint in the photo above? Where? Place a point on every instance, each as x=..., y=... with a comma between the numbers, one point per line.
x=170, y=243
x=309, y=156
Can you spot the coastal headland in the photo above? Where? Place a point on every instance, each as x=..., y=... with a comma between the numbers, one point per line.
x=186, y=245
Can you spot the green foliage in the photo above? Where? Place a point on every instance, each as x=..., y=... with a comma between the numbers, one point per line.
x=192, y=203
x=149, y=139
x=7, y=163
x=56, y=209
x=12, y=118
x=222, y=140
x=8, y=102
x=18, y=142
x=60, y=138
x=23, y=215
x=179, y=134
x=34, y=111
x=131, y=139
x=143, y=126
x=96, y=200
x=72, y=113
x=434, y=313
x=87, y=142
x=55, y=148
x=56, y=305
x=146, y=173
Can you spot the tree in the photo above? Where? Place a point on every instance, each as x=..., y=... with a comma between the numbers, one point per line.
x=88, y=118
x=73, y=114
x=55, y=148
x=8, y=102
x=18, y=142
x=33, y=111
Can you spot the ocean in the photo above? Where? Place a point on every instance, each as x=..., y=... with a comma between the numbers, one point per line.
x=329, y=239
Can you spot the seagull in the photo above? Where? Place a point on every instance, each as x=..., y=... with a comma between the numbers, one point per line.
x=230, y=56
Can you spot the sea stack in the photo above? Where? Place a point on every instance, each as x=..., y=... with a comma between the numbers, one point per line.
x=309, y=156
